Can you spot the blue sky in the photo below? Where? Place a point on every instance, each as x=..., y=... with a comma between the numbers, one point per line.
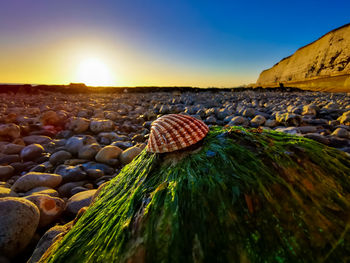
x=198, y=43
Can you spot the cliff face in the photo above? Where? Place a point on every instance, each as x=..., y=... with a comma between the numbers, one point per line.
x=322, y=65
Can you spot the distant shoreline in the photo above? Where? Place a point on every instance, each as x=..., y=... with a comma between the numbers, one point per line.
x=82, y=88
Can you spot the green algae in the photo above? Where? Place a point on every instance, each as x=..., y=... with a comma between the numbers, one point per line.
x=243, y=196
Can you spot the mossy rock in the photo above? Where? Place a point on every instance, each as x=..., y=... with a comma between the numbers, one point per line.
x=241, y=196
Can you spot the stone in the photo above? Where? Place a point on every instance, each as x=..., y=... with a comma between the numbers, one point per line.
x=318, y=137
x=238, y=120
x=65, y=189
x=41, y=168
x=79, y=200
x=70, y=173
x=223, y=113
x=8, y=159
x=248, y=112
x=107, y=153
x=78, y=124
x=289, y=130
x=50, y=207
x=37, y=139
x=59, y=157
x=338, y=142
x=128, y=155
x=9, y=130
x=12, y=148
x=7, y=192
x=289, y=119
x=122, y=144
x=100, y=125
x=94, y=173
x=341, y=133
x=75, y=143
x=32, y=152
x=210, y=120
x=46, y=241
x=78, y=189
x=307, y=129
x=89, y=151
x=42, y=190
x=345, y=118
x=270, y=123
x=309, y=110
x=18, y=222
x=6, y=171
x=257, y=121
x=74, y=162
x=21, y=167
x=138, y=138
x=50, y=118
x=103, y=167
x=35, y=179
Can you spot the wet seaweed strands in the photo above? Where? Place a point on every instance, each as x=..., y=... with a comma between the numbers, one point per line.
x=242, y=196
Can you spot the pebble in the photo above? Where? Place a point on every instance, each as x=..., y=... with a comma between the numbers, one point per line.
x=94, y=173
x=18, y=222
x=50, y=118
x=6, y=171
x=12, y=148
x=46, y=241
x=50, y=207
x=65, y=189
x=36, y=139
x=9, y=131
x=289, y=119
x=100, y=125
x=108, y=153
x=78, y=124
x=79, y=200
x=35, y=179
x=341, y=133
x=8, y=159
x=237, y=120
x=59, y=157
x=257, y=121
x=7, y=192
x=32, y=152
x=122, y=144
x=42, y=190
x=128, y=155
x=70, y=173
x=318, y=137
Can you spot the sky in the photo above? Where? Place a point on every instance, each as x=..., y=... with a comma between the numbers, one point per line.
x=217, y=43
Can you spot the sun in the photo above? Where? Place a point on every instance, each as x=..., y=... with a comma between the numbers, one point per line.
x=93, y=72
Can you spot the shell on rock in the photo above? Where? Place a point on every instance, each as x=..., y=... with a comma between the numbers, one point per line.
x=173, y=132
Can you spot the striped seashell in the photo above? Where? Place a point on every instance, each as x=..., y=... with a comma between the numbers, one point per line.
x=174, y=132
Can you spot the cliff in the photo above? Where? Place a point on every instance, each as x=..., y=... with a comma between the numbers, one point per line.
x=322, y=65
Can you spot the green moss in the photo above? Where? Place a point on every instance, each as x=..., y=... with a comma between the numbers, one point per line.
x=244, y=196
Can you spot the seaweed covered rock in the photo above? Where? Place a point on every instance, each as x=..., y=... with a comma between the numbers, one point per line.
x=238, y=196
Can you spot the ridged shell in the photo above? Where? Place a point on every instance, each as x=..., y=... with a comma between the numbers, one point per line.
x=174, y=132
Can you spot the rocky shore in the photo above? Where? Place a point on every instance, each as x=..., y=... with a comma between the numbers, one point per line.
x=57, y=149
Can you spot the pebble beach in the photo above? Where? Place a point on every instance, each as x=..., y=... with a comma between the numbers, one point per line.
x=57, y=149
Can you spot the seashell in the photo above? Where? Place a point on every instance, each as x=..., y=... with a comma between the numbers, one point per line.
x=174, y=132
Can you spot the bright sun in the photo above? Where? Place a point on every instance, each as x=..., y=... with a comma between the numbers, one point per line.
x=94, y=72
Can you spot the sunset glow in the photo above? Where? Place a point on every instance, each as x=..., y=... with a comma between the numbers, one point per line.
x=144, y=43
x=93, y=72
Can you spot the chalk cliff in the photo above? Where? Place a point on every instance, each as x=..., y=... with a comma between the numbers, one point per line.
x=322, y=65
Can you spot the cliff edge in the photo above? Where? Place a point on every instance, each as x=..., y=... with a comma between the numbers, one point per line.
x=323, y=65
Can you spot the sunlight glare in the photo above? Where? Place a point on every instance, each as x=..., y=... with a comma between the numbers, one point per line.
x=93, y=72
